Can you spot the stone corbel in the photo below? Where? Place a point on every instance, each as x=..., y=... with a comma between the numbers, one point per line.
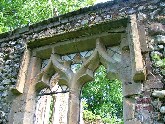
x=138, y=71
x=18, y=89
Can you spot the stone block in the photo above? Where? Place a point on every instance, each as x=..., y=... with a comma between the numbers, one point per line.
x=17, y=118
x=142, y=38
x=23, y=30
x=156, y=28
x=153, y=83
x=128, y=108
x=144, y=116
x=138, y=71
x=144, y=100
x=124, y=43
x=132, y=88
x=159, y=93
x=141, y=107
x=164, y=118
x=162, y=109
x=22, y=73
x=148, y=63
x=134, y=121
x=160, y=39
x=28, y=118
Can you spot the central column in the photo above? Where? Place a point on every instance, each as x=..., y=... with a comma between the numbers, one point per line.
x=74, y=104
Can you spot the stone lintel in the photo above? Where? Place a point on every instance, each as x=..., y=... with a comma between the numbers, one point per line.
x=109, y=26
x=82, y=44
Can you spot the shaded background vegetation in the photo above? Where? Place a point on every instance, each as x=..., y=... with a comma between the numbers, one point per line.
x=102, y=98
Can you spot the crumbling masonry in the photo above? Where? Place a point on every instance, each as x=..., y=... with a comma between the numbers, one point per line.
x=126, y=37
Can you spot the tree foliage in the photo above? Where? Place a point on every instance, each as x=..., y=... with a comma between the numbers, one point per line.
x=18, y=13
x=103, y=96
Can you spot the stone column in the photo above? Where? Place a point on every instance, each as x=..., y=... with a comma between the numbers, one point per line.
x=29, y=90
x=42, y=110
x=61, y=109
x=74, y=106
x=23, y=106
x=17, y=108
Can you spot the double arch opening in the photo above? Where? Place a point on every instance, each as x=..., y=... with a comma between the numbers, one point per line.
x=125, y=67
x=58, y=71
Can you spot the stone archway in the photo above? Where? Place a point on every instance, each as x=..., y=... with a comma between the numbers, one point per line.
x=130, y=69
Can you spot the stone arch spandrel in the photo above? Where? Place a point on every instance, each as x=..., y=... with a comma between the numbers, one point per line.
x=63, y=70
x=53, y=68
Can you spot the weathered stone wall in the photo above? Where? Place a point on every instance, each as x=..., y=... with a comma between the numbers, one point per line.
x=151, y=18
x=10, y=58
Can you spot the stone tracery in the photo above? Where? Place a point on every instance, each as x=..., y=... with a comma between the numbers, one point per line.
x=108, y=48
x=60, y=71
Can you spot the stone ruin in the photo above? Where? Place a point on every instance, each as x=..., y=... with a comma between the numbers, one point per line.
x=127, y=37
